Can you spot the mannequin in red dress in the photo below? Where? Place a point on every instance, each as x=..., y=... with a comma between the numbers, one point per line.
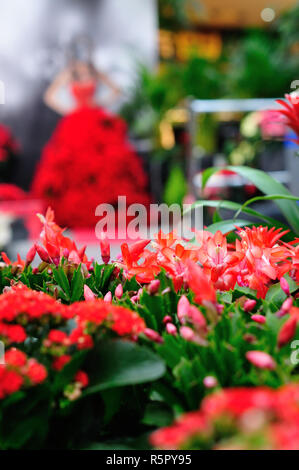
x=88, y=160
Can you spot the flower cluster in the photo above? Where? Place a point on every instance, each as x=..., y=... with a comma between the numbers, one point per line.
x=91, y=314
x=56, y=245
x=256, y=260
x=21, y=308
x=238, y=418
x=291, y=113
x=18, y=372
x=22, y=305
x=88, y=161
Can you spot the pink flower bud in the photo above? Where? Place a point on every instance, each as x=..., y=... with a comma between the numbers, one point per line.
x=30, y=255
x=171, y=329
x=285, y=308
x=88, y=294
x=197, y=317
x=249, y=305
x=285, y=286
x=43, y=254
x=220, y=308
x=187, y=333
x=167, y=319
x=66, y=253
x=258, y=318
x=153, y=335
x=35, y=270
x=139, y=293
x=119, y=291
x=134, y=299
x=287, y=331
x=108, y=297
x=287, y=304
x=210, y=382
x=183, y=308
x=105, y=248
x=154, y=287
x=261, y=360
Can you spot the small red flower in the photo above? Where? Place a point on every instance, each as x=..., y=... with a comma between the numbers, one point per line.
x=59, y=362
x=36, y=372
x=82, y=378
x=291, y=112
x=15, y=357
x=57, y=336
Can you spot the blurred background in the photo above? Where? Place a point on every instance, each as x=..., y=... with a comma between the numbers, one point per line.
x=194, y=84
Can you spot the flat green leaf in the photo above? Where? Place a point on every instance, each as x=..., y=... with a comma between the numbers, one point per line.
x=117, y=363
x=62, y=280
x=157, y=414
x=235, y=206
x=275, y=293
x=227, y=226
x=77, y=285
x=268, y=186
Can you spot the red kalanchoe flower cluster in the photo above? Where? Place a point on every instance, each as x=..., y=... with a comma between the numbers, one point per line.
x=12, y=333
x=271, y=416
x=60, y=361
x=91, y=314
x=19, y=372
x=22, y=305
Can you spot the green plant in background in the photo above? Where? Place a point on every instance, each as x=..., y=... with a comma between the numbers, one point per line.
x=176, y=186
x=258, y=68
x=273, y=190
x=202, y=78
x=287, y=27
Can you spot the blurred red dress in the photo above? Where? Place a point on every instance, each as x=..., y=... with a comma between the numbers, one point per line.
x=88, y=161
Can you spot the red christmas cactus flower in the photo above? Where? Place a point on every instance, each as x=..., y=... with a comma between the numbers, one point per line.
x=291, y=112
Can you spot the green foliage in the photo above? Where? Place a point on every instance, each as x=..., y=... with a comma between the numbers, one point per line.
x=137, y=387
x=287, y=26
x=120, y=363
x=265, y=183
x=176, y=186
x=258, y=69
